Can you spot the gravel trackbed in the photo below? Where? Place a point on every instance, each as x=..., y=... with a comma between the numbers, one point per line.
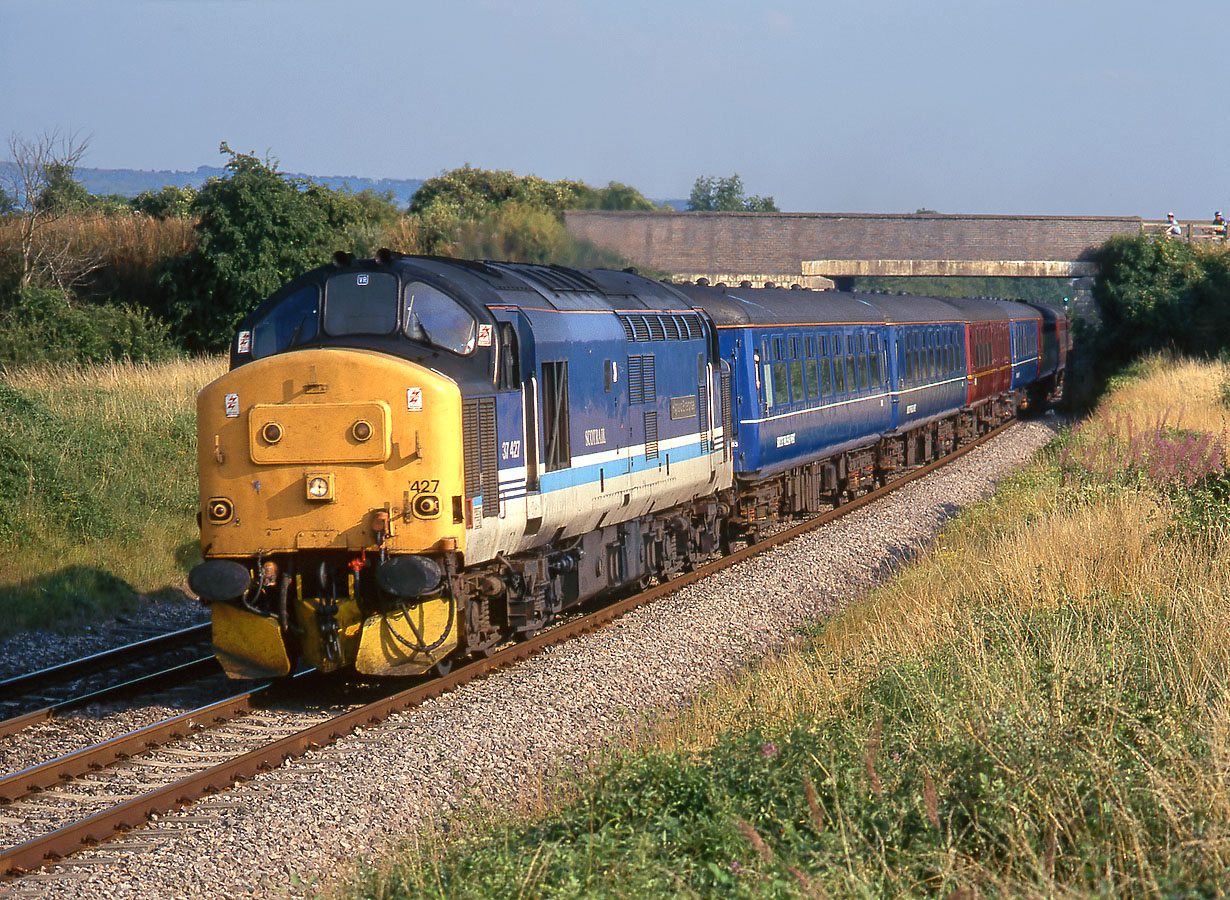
x=499, y=739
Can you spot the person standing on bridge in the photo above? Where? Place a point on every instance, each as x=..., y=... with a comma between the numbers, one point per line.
x=1219, y=225
x=1172, y=227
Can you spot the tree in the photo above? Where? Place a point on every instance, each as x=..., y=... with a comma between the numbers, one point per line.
x=621, y=196
x=62, y=193
x=172, y=202
x=43, y=193
x=257, y=229
x=711, y=194
x=474, y=193
x=8, y=206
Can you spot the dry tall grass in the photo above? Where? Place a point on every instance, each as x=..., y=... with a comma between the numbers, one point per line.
x=129, y=245
x=1036, y=544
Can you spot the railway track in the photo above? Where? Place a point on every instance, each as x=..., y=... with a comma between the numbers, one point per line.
x=149, y=665
x=241, y=741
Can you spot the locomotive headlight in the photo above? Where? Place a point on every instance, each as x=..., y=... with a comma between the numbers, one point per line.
x=272, y=432
x=320, y=487
x=220, y=510
x=427, y=506
x=361, y=430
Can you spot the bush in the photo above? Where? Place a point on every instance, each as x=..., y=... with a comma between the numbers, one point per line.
x=48, y=325
x=520, y=232
x=1161, y=295
x=258, y=229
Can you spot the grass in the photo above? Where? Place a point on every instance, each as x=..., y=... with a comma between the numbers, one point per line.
x=1039, y=707
x=97, y=487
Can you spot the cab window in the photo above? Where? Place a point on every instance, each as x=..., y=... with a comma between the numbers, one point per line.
x=291, y=322
x=433, y=317
x=361, y=303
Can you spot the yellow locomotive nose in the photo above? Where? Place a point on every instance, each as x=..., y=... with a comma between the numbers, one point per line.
x=315, y=462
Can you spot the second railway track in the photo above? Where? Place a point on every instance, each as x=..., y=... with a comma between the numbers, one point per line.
x=147, y=665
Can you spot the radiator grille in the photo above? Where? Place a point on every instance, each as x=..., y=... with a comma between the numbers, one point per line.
x=642, y=386
x=480, y=443
x=661, y=327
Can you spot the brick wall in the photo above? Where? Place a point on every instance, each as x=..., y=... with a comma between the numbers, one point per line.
x=779, y=242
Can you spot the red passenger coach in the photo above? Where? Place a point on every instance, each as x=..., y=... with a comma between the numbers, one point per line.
x=989, y=350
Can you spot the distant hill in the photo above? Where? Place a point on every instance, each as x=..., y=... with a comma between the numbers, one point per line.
x=130, y=182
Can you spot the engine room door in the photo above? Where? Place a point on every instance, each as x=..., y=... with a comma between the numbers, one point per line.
x=518, y=332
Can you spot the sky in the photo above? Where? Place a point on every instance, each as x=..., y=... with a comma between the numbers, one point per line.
x=1079, y=107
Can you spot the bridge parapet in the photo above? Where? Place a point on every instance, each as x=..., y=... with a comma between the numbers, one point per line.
x=1192, y=232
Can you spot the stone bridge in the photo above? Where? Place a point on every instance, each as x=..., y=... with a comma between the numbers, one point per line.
x=820, y=249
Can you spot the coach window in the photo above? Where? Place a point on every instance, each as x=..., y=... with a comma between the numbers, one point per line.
x=781, y=383
x=797, y=391
x=291, y=322
x=433, y=317
x=863, y=381
x=873, y=348
x=361, y=303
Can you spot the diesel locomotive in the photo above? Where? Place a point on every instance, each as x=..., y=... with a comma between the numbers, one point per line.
x=414, y=459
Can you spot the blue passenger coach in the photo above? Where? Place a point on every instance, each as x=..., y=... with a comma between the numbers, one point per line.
x=810, y=373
